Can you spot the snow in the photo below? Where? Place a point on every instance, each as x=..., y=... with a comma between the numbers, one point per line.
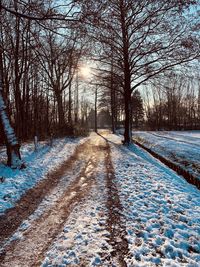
x=84, y=238
x=47, y=204
x=179, y=147
x=192, y=137
x=6, y=123
x=15, y=183
x=162, y=210
x=191, y=134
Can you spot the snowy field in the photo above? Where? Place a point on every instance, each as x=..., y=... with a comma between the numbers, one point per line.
x=161, y=210
x=14, y=183
x=180, y=147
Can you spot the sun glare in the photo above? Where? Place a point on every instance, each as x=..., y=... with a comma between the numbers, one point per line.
x=85, y=71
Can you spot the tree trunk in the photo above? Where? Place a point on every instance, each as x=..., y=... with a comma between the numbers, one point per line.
x=127, y=77
x=127, y=103
x=127, y=122
x=13, y=147
x=113, y=110
x=70, y=105
x=17, y=73
x=113, y=100
x=76, y=100
x=95, y=111
x=61, y=116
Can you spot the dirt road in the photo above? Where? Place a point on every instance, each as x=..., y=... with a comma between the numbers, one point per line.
x=31, y=227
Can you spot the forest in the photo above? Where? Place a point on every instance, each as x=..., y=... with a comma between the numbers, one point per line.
x=99, y=133
x=68, y=66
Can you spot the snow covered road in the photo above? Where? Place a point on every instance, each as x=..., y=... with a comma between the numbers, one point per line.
x=80, y=206
x=113, y=206
x=39, y=163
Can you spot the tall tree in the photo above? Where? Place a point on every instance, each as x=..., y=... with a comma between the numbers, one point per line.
x=145, y=38
x=18, y=62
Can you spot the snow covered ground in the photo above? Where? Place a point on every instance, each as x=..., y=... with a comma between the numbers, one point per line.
x=14, y=183
x=180, y=147
x=189, y=137
x=161, y=210
x=84, y=239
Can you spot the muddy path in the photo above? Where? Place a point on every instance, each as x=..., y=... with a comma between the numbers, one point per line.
x=46, y=227
x=30, y=248
x=28, y=203
x=115, y=220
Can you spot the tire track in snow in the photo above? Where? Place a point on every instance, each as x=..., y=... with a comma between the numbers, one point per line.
x=115, y=223
x=30, y=249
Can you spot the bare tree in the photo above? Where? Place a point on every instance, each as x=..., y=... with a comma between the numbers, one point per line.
x=18, y=62
x=146, y=38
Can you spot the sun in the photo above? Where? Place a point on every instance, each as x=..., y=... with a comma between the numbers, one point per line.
x=85, y=71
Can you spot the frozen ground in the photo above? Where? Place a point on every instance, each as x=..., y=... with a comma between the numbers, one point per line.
x=81, y=240
x=159, y=213
x=180, y=147
x=161, y=209
x=14, y=183
x=189, y=137
x=84, y=238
